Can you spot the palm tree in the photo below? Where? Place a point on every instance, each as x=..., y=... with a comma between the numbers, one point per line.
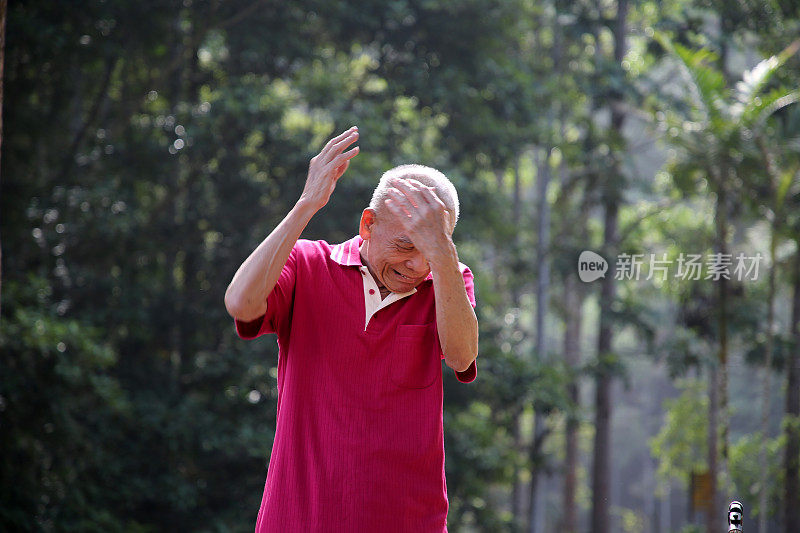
x=713, y=125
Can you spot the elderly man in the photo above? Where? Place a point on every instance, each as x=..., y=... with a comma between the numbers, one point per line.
x=362, y=327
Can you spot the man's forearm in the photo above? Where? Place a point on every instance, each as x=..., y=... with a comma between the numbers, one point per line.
x=246, y=296
x=455, y=318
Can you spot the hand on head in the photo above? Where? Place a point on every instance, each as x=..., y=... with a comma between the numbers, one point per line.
x=420, y=214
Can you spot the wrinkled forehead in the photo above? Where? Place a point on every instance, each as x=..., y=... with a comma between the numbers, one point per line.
x=393, y=232
x=402, y=240
x=393, y=227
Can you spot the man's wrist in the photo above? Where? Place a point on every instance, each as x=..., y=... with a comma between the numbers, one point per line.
x=306, y=208
x=444, y=257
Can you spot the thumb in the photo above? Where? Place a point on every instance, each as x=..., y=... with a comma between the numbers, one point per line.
x=341, y=170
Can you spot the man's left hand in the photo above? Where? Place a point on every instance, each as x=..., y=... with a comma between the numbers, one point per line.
x=422, y=215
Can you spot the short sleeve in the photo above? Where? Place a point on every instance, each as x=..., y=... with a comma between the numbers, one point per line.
x=280, y=304
x=469, y=284
x=468, y=375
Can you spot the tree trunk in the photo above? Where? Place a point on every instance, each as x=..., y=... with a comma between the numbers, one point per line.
x=766, y=393
x=573, y=303
x=538, y=478
x=573, y=321
x=3, y=11
x=718, y=392
x=517, y=510
x=713, y=456
x=791, y=488
x=714, y=519
x=601, y=466
x=536, y=500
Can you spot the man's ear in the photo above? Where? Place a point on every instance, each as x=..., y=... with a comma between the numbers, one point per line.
x=367, y=221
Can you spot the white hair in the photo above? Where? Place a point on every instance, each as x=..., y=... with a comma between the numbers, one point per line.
x=431, y=177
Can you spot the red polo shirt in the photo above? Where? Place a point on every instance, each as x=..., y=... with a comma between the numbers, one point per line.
x=359, y=445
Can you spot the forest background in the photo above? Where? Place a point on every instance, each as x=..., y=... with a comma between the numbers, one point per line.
x=148, y=146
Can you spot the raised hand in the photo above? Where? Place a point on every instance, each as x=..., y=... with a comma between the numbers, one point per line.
x=422, y=216
x=327, y=167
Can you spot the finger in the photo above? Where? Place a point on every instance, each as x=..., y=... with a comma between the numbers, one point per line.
x=339, y=147
x=341, y=136
x=396, y=209
x=336, y=149
x=410, y=191
x=426, y=192
x=430, y=195
x=338, y=138
x=401, y=200
x=448, y=219
x=340, y=159
x=340, y=170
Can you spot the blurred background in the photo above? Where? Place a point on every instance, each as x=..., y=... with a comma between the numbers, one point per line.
x=149, y=146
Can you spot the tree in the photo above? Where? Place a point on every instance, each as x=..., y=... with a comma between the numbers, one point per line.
x=3, y=12
x=601, y=464
x=721, y=124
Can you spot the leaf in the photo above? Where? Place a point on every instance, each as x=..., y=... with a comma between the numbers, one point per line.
x=754, y=80
x=786, y=182
x=768, y=106
x=708, y=83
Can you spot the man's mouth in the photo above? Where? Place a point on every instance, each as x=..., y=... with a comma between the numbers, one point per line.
x=402, y=276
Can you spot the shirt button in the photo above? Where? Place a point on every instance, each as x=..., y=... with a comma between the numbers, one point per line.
x=372, y=291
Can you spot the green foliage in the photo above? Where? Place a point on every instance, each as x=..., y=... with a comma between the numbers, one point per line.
x=679, y=446
x=149, y=146
x=48, y=445
x=146, y=160
x=718, y=124
x=631, y=521
x=475, y=439
x=680, y=449
x=746, y=473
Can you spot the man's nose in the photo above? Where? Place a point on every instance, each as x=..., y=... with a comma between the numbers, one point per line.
x=416, y=263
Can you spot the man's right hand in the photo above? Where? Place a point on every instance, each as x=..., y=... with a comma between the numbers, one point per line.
x=246, y=297
x=327, y=167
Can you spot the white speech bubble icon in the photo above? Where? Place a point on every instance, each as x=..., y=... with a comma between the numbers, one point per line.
x=591, y=266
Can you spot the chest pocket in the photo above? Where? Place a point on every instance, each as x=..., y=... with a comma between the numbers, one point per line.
x=414, y=362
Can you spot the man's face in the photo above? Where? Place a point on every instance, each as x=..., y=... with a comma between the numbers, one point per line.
x=389, y=254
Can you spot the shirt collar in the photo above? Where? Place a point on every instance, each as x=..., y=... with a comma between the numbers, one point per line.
x=348, y=254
